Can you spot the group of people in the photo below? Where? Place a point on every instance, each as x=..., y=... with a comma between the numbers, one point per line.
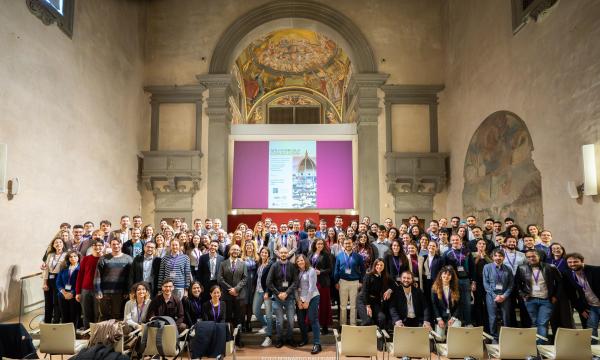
x=456, y=273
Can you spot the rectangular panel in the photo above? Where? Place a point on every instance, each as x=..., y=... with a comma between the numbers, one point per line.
x=410, y=128
x=177, y=128
x=335, y=182
x=250, y=175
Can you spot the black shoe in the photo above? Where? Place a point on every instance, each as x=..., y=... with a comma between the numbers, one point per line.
x=302, y=343
x=292, y=343
x=325, y=330
x=239, y=343
x=279, y=344
x=316, y=349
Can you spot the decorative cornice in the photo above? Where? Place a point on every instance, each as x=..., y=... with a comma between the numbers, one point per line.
x=411, y=94
x=223, y=80
x=370, y=79
x=175, y=93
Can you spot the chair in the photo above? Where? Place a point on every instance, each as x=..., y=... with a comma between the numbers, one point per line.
x=514, y=343
x=172, y=344
x=59, y=339
x=572, y=344
x=462, y=342
x=409, y=341
x=356, y=341
x=119, y=345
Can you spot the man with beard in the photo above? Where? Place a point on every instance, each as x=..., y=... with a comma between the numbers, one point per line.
x=513, y=259
x=408, y=307
x=498, y=282
x=584, y=286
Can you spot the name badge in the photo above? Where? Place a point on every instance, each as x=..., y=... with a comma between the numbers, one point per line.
x=284, y=284
x=460, y=268
x=429, y=277
x=172, y=275
x=448, y=311
x=416, y=278
x=196, y=268
x=535, y=288
x=51, y=276
x=397, y=278
x=68, y=287
x=348, y=271
x=499, y=287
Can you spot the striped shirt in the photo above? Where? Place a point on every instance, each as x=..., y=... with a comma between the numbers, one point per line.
x=112, y=274
x=177, y=268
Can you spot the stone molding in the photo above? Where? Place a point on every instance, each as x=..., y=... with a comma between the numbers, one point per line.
x=223, y=55
x=423, y=173
x=174, y=167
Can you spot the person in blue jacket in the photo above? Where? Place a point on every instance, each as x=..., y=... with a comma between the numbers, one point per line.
x=65, y=286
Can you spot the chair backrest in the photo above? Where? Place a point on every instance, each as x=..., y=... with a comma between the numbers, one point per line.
x=118, y=346
x=412, y=342
x=573, y=344
x=359, y=340
x=463, y=342
x=517, y=343
x=169, y=340
x=57, y=339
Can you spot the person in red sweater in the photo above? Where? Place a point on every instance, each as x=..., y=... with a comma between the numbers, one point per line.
x=84, y=288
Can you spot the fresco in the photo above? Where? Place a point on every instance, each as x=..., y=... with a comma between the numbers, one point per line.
x=501, y=179
x=292, y=58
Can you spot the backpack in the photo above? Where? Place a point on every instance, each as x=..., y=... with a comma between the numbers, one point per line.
x=158, y=322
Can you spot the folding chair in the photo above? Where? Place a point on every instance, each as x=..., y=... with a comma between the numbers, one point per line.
x=514, y=343
x=462, y=342
x=409, y=342
x=59, y=339
x=569, y=344
x=172, y=344
x=356, y=341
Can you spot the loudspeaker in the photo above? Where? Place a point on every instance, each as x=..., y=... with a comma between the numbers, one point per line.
x=572, y=190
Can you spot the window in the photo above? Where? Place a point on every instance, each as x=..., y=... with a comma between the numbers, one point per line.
x=54, y=11
x=294, y=115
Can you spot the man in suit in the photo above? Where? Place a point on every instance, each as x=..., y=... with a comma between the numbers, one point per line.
x=124, y=233
x=232, y=278
x=297, y=231
x=584, y=284
x=286, y=240
x=498, y=282
x=305, y=245
x=271, y=238
x=408, y=307
x=208, y=267
x=145, y=267
x=339, y=224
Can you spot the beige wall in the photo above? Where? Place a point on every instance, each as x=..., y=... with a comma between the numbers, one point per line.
x=72, y=114
x=410, y=128
x=177, y=129
x=547, y=74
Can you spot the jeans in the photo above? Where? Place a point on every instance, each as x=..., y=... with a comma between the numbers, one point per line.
x=593, y=319
x=267, y=319
x=289, y=306
x=313, y=318
x=464, y=287
x=492, y=306
x=540, y=311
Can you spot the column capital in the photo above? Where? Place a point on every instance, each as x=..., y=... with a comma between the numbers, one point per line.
x=175, y=93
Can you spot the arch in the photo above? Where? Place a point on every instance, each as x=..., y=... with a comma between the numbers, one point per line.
x=500, y=178
x=224, y=52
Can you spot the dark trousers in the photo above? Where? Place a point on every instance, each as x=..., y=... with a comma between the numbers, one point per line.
x=70, y=311
x=464, y=287
x=89, y=307
x=111, y=307
x=234, y=310
x=51, y=306
x=517, y=302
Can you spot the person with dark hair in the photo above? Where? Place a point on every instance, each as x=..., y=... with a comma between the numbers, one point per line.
x=444, y=241
x=53, y=265
x=408, y=306
x=516, y=232
x=304, y=245
x=320, y=259
x=480, y=259
x=529, y=244
x=176, y=266
x=513, y=259
x=66, y=280
x=215, y=308
x=209, y=267
x=349, y=271
x=559, y=258
x=112, y=281
x=375, y=291
x=432, y=263
x=544, y=244
x=382, y=245
x=137, y=306
x=78, y=242
x=262, y=295
x=307, y=301
x=461, y=261
x=445, y=300
x=488, y=229
x=395, y=263
x=232, y=278
x=167, y=304
x=538, y=284
x=84, y=288
x=282, y=281
x=498, y=283
x=454, y=224
x=135, y=245
x=192, y=304
x=145, y=267
x=584, y=286
x=366, y=250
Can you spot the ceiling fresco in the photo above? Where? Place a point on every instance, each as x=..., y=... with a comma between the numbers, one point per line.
x=296, y=58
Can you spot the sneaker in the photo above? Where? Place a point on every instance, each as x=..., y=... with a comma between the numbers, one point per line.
x=267, y=342
x=263, y=330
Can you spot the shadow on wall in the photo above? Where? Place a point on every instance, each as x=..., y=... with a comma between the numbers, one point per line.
x=10, y=295
x=501, y=179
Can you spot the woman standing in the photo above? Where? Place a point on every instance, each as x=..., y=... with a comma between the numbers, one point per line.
x=214, y=309
x=192, y=304
x=445, y=300
x=374, y=292
x=148, y=233
x=332, y=239
x=65, y=284
x=137, y=306
x=320, y=259
x=307, y=299
x=393, y=234
x=395, y=263
x=415, y=263
x=263, y=295
x=365, y=250
x=432, y=263
x=480, y=259
x=558, y=258
x=194, y=251
x=54, y=264
x=250, y=257
x=161, y=249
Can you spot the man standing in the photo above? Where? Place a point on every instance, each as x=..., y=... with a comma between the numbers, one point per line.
x=88, y=229
x=543, y=246
x=306, y=244
x=339, y=223
x=296, y=231
x=112, y=281
x=123, y=233
x=454, y=224
x=282, y=280
x=134, y=246
x=84, y=287
x=176, y=266
x=322, y=233
x=488, y=229
x=462, y=262
x=538, y=284
x=286, y=240
x=232, y=279
x=105, y=227
x=408, y=307
x=145, y=267
x=137, y=222
x=471, y=223
x=584, y=285
x=78, y=243
x=434, y=230
x=498, y=282
x=382, y=245
x=348, y=274
x=208, y=267
x=271, y=239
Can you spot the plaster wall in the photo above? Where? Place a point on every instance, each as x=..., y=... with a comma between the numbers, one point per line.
x=177, y=127
x=73, y=118
x=549, y=75
x=410, y=128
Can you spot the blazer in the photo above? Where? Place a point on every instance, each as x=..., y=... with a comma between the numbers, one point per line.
x=491, y=277
x=137, y=272
x=575, y=291
x=394, y=267
x=292, y=245
x=323, y=264
x=525, y=274
x=419, y=267
x=436, y=264
x=128, y=247
x=440, y=308
x=228, y=279
x=63, y=280
x=399, y=306
x=263, y=277
x=275, y=278
x=207, y=312
x=204, y=269
x=372, y=289
x=82, y=249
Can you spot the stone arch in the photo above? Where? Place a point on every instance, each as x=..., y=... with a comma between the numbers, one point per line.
x=225, y=50
x=500, y=177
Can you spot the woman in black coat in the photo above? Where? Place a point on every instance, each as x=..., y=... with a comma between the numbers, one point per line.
x=396, y=263
x=192, y=304
x=214, y=309
x=445, y=300
x=320, y=259
x=374, y=293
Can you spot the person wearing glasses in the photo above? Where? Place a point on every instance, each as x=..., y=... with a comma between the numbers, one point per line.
x=84, y=287
x=167, y=304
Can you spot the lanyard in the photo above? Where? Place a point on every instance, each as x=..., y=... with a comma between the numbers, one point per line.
x=314, y=260
x=197, y=306
x=559, y=263
x=499, y=273
x=55, y=261
x=396, y=264
x=536, y=276
x=218, y=313
x=460, y=257
x=446, y=298
x=348, y=260
x=283, y=272
x=140, y=312
x=71, y=271
x=197, y=255
x=514, y=259
x=576, y=278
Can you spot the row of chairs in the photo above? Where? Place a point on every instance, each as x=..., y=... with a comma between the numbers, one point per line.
x=60, y=339
x=414, y=342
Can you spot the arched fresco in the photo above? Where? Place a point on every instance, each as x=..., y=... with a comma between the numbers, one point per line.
x=501, y=179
